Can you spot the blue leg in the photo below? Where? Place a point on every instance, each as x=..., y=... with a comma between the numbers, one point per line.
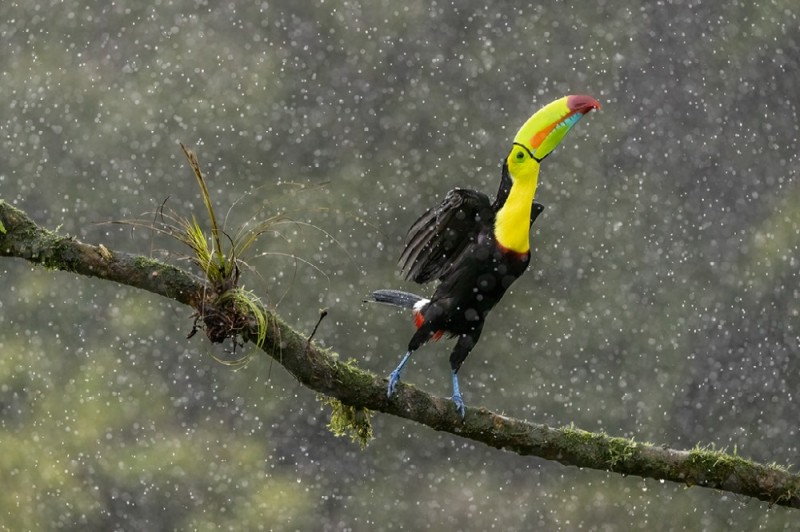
x=457, y=397
x=394, y=377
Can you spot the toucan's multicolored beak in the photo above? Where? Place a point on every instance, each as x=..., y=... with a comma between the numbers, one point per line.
x=547, y=127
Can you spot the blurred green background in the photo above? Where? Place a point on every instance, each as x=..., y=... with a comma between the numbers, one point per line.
x=661, y=304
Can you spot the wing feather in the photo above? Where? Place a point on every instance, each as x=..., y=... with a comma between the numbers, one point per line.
x=438, y=238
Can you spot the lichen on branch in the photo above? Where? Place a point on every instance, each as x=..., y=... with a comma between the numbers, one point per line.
x=359, y=391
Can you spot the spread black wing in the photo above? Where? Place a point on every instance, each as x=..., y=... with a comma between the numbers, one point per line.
x=440, y=236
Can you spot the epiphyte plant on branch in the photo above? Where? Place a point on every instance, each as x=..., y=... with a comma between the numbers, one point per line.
x=476, y=248
x=228, y=310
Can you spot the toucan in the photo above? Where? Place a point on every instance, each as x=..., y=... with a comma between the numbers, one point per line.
x=477, y=248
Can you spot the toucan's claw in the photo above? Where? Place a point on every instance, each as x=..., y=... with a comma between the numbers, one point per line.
x=457, y=397
x=460, y=405
x=394, y=377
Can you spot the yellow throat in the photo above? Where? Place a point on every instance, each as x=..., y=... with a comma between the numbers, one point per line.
x=512, y=222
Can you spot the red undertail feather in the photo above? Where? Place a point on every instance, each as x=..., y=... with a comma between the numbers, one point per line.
x=419, y=319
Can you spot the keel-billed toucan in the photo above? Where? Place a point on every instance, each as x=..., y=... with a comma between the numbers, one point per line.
x=476, y=248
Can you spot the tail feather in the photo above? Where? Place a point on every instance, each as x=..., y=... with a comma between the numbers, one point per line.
x=397, y=298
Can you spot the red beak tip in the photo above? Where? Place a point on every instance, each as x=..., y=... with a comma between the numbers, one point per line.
x=581, y=103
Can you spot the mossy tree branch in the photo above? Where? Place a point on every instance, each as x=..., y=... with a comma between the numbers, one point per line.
x=321, y=370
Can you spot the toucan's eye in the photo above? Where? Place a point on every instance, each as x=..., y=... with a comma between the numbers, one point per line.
x=520, y=155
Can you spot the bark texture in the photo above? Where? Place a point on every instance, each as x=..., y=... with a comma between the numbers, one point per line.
x=323, y=371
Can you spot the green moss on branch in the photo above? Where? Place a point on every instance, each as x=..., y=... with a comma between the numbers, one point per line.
x=357, y=392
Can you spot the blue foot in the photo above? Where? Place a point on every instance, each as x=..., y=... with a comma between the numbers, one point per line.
x=457, y=397
x=460, y=405
x=394, y=377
